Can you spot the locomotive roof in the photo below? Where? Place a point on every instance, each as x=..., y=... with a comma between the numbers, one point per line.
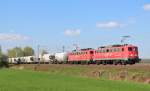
x=117, y=45
x=85, y=49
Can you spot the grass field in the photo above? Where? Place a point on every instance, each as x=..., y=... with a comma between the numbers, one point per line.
x=136, y=73
x=23, y=80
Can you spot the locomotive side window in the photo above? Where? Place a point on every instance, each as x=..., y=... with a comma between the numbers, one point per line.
x=135, y=49
x=100, y=51
x=97, y=51
x=130, y=49
x=114, y=50
x=122, y=49
x=79, y=53
x=103, y=50
x=110, y=50
x=91, y=52
x=118, y=49
x=107, y=50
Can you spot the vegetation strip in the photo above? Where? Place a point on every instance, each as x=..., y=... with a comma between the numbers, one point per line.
x=15, y=80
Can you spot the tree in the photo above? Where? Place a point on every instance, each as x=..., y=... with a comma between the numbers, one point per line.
x=43, y=52
x=28, y=51
x=19, y=52
x=15, y=52
x=11, y=53
x=3, y=60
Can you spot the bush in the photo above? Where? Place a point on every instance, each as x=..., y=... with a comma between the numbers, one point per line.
x=3, y=62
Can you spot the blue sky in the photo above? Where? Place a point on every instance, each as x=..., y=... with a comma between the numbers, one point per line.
x=88, y=23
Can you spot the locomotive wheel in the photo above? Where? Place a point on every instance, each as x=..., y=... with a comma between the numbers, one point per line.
x=97, y=62
x=87, y=63
x=73, y=62
x=115, y=63
x=79, y=62
x=82, y=62
x=104, y=62
x=76, y=62
x=124, y=62
x=131, y=62
x=111, y=62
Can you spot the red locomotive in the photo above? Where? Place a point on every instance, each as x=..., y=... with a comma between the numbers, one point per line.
x=114, y=54
x=81, y=56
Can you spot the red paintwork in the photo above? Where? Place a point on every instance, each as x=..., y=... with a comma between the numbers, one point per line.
x=108, y=54
x=81, y=55
x=123, y=53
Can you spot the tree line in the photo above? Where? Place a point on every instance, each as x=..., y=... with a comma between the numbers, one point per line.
x=20, y=52
x=15, y=52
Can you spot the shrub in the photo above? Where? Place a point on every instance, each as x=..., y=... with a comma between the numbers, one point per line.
x=3, y=62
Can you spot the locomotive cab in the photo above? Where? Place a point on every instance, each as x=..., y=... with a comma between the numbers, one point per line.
x=132, y=52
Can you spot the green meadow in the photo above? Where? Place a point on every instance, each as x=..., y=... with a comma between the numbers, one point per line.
x=23, y=80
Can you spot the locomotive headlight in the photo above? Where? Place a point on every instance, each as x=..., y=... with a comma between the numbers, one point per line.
x=131, y=54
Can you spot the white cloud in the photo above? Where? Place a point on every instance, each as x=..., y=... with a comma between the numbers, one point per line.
x=109, y=24
x=12, y=37
x=72, y=32
x=147, y=7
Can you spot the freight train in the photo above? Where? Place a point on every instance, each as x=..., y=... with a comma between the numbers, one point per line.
x=112, y=54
